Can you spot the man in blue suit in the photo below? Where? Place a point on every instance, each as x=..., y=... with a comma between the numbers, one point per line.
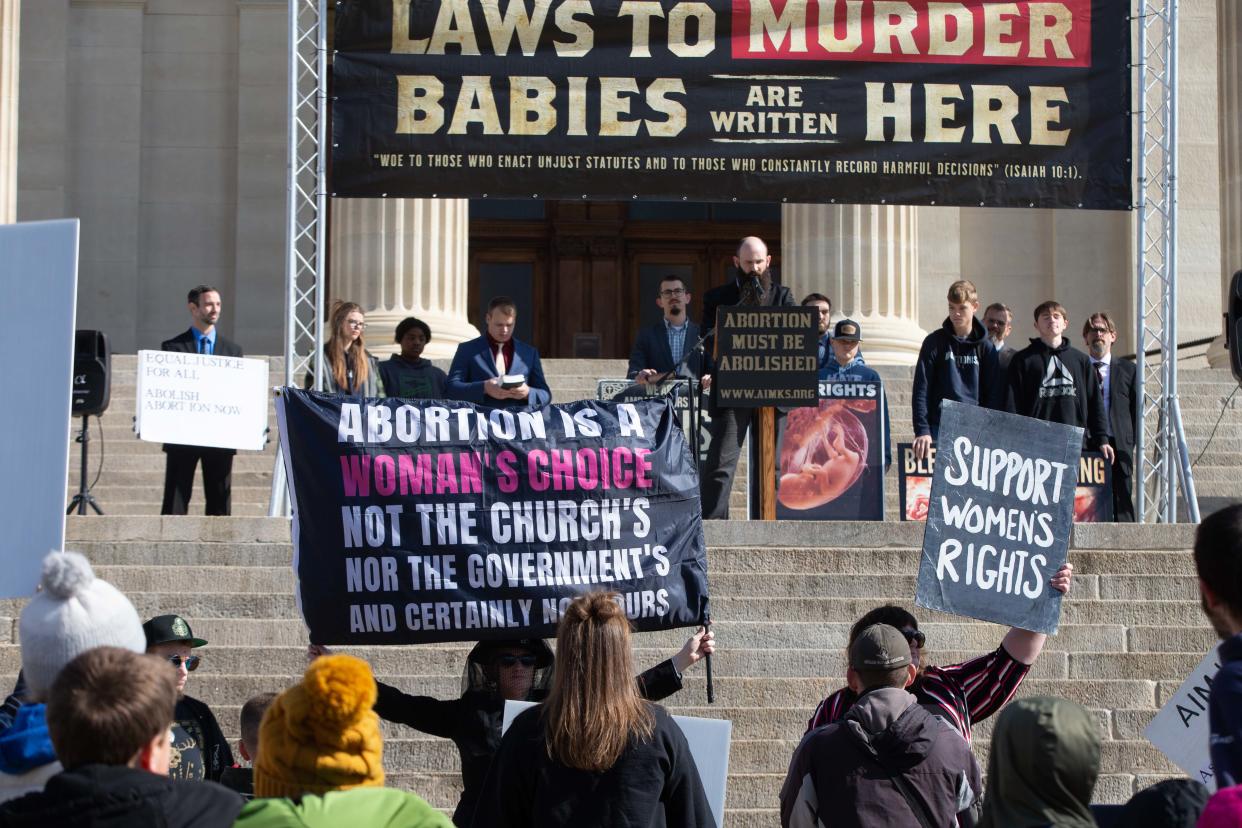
x=660, y=348
x=481, y=365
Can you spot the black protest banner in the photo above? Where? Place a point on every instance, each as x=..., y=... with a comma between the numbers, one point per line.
x=1000, y=516
x=765, y=356
x=831, y=457
x=418, y=521
x=1093, y=495
x=967, y=102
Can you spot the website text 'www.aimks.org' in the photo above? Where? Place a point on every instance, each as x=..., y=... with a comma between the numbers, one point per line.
x=768, y=393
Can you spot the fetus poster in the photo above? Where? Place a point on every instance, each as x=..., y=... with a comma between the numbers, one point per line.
x=830, y=458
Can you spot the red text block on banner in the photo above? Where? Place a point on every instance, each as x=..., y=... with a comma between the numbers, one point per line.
x=1012, y=32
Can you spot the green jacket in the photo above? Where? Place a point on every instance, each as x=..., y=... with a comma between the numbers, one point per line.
x=372, y=807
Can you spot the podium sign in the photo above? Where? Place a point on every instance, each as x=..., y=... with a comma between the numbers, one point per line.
x=766, y=356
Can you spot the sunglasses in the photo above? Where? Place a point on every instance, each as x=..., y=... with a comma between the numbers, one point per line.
x=191, y=662
x=915, y=637
x=512, y=660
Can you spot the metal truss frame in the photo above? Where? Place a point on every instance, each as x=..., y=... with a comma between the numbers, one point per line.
x=1162, y=462
x=306, y=205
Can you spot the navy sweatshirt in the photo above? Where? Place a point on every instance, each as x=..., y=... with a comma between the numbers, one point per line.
x=959, y=368
x=1225, y=714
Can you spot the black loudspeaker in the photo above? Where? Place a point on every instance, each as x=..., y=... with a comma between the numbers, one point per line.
x=92, y=373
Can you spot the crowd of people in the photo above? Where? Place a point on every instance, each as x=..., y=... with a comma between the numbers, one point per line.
x=100, y=730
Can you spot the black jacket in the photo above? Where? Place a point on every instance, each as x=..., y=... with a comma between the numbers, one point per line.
x=842, y=774
x=183, y=343
x=473, y=722
x=651, y=350
x=111, y=796
x=730, y=293
x=958, y=368
x=200, y=750
x=655, y=783
x=1058, y=385
x=1123, y=402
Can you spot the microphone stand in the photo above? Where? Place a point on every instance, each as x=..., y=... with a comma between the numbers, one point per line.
x=674, y=373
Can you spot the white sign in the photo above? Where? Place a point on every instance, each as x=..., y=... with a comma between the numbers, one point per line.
x=38, y=301
x=1180, y=730
x=201, y=400
x=709, y=745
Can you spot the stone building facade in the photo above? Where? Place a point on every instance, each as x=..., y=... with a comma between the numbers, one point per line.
x=162, y=125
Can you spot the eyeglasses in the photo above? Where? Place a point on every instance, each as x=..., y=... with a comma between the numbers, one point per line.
x=1099, y=331
x=671, y=292
x=191, y=662
x=915, y=637
x=512, y=660
x=357, y=326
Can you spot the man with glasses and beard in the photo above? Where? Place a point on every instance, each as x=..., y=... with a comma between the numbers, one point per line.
x=961, y=694
x=1121, y=403
x=998, y=320
x=660, y=348
x=201, y=338
x=199, y=749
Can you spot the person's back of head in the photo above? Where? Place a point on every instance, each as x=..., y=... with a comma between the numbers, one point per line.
x=250, y=718
x=1224, y=809
x=1218, y=561
x=594, y=708
x=1042, y=767
x=73, y=612
x=880, y=659
x=112, y=706
x=321, y=734
x=1173, y=803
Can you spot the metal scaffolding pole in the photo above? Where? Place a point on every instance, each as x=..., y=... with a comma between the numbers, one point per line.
x=307, y=208
x=1162, y=460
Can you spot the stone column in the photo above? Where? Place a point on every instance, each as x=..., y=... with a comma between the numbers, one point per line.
x=10, y=54
x=1229, y=134
x=865, y=259
x=400, y=257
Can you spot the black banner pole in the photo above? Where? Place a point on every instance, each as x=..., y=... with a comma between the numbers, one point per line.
x=707, y=661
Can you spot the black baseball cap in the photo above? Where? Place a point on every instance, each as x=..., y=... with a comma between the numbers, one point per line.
x=847, y=330
x=168, y=629
x=880, y=647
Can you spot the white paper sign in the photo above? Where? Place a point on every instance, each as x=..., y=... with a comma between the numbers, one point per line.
x=201, y=400
x=1180, y=730
x=709, y=745
x=38, y=299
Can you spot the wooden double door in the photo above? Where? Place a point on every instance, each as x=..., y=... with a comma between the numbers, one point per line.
x=585, y=274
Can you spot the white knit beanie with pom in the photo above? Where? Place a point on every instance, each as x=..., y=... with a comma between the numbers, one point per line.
x=73, y=612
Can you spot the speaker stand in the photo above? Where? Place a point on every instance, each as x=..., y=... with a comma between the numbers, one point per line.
x=84, y=498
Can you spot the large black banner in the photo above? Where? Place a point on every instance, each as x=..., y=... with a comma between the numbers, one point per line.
x=965, y=102
x=417, y=520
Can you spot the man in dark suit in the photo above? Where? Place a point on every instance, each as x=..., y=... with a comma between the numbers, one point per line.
x=1121, y=404
x=480, y=367
x=180, y=461
x=998, y=320
x=752, y=285
x=660, y=348
x=823, y=308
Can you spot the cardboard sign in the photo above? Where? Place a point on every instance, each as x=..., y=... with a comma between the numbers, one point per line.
x=38, y=283
x=1180, y=730
x=831, y=458
x=201, y=400
x=766, y=356
x=1093, y=496
x=708, y=740
x=999, y=517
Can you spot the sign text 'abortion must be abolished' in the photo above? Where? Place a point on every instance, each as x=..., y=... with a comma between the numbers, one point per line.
x=1000, y=517
x=419, y=521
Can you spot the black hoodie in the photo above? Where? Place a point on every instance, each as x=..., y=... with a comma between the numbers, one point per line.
x=112, y=796
x=958, y=368
x=1058, y=385
x=841, y=774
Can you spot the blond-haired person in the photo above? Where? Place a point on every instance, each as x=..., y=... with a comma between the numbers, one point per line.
x=595, y=753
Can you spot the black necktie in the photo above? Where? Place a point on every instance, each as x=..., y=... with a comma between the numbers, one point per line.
x=1099, y=373
x=202, y=344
